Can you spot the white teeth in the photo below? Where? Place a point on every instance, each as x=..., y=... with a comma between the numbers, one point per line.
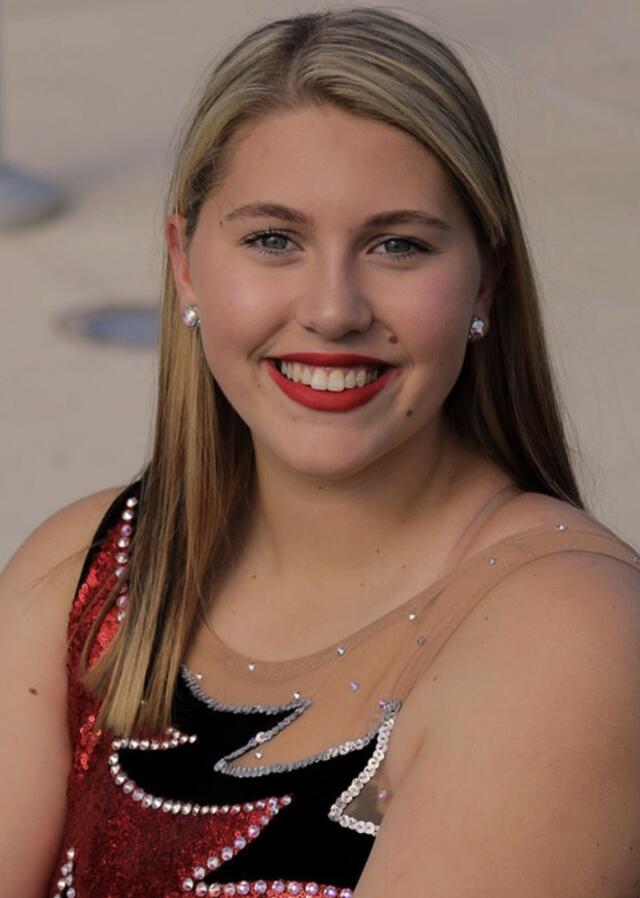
x=334, y=380
x=318, y=379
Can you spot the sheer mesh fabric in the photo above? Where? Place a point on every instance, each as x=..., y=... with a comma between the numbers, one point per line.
x=344, y=692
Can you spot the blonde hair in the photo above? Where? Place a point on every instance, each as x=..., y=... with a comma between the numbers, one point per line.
x=197, y=486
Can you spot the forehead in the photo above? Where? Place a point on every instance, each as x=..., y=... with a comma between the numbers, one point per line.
x=331, y=157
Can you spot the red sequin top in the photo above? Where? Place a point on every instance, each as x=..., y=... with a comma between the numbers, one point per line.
x=153, y=817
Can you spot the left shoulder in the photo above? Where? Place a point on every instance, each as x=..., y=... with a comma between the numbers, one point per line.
x=583, y=578
x=529, y=510
x=580, y=594
x=528, y=768
x=579, y=603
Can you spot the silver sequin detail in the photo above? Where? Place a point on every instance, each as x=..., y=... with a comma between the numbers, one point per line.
x=191, y=680
x=634, y=558
x=420, y=640
x=561, y=526
x=224, y=765
x=336, y=812
x=340, y=650
x=491, y=560
x=412, y=615
x=251, y=665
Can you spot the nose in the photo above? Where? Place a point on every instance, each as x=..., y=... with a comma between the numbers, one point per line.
x=333, y=304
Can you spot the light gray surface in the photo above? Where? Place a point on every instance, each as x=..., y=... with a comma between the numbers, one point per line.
x=92, y=92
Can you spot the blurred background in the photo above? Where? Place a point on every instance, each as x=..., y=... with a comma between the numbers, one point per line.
x=91, y=94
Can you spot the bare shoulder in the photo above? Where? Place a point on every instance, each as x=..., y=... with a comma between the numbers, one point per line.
x=565, y=594
x=529, y=761
x=530, y=733
x=36, y=592
x=528, y=510
x=54, y=552
x=566, y=606
x=36, y=587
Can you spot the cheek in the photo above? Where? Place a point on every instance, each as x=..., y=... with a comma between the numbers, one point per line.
x=434, y=319
x=236, y=314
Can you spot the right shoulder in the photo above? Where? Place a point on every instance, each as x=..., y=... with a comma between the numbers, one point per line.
x=37, y=586
x=37, y=589
x=51, y=558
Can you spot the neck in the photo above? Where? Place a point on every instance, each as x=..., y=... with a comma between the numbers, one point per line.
x=306, y=528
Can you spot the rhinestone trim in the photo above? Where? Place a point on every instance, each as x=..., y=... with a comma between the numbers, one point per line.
x=147, y=799
x=267, y=888
x=193, y=883
x=336, y=812
x=64, y=885
x=122, y=555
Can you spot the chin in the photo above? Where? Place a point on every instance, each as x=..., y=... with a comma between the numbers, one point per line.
x=325, y=459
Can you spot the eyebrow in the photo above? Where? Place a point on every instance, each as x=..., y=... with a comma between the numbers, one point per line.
x=380, y=219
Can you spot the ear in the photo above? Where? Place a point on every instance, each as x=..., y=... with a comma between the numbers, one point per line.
x=179, y=258
x=486, y=291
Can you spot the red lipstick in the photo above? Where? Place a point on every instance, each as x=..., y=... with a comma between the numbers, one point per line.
x=333, y=359
x=327, y=400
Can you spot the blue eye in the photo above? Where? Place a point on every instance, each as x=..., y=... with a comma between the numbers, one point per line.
x=258, y=240
x=270, y=234
x=416, y=248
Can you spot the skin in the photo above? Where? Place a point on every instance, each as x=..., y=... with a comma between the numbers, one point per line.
x=388, y=472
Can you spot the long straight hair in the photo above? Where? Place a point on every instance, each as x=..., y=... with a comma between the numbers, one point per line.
x=198, y=484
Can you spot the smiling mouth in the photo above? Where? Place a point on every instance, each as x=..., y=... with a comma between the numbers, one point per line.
x=330, y=378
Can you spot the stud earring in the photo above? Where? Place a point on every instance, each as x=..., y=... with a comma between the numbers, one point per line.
x=476, y=329
x=190, y=316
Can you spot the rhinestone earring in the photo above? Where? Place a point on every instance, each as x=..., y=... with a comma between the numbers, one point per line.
x=190, y=316
x=476, y=329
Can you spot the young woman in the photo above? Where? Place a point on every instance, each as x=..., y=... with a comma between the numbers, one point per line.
x=352, y=631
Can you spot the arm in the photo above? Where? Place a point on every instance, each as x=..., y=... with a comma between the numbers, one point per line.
x=527, y=781
x=36, y=591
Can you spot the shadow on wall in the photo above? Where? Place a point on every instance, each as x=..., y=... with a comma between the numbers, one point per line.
x=131, y=324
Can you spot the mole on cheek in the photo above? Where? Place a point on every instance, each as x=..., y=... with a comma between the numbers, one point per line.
x=409, y=412
x=393, y=339
x=33, y=691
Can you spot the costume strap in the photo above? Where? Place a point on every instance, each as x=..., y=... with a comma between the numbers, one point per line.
x=482, y=573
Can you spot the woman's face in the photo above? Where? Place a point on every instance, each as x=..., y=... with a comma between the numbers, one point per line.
x=288, y=260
